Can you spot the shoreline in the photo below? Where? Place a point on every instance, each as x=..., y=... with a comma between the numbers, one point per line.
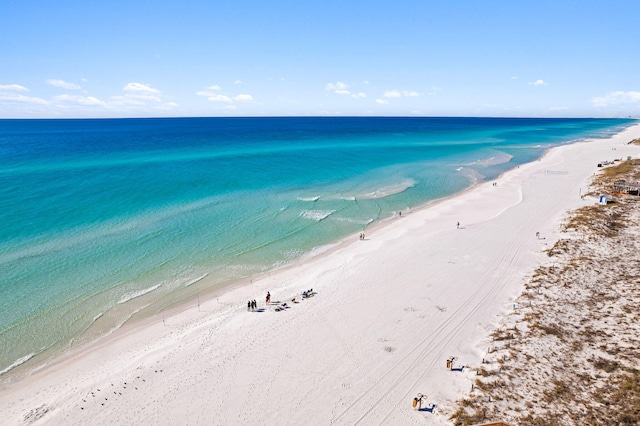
x=140, y=317
x=154, y=300
x=167, y=306
x=291, y=279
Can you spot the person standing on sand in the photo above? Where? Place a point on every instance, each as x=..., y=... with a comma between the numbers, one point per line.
x=248, y=305
x=457, y=225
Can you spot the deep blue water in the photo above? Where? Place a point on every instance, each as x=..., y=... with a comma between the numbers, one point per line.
x=100, y=218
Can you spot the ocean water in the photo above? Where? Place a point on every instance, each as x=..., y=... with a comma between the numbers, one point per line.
x=102, y=220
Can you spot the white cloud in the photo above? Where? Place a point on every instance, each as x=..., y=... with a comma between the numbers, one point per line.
x=9, y=94
x=137, y=96
x=212, y=95
x=12, y=88
x=206, y=93
x=336, y=86
x=17, y=97
x=514, y=77
x=559, y=108
x=382, y=101
x=399, y=94
x=82, y=100
x=63, y=84
x=219, y=98
x=237, y=82
x=243, y=97
x=139, y=88
x=618, y=97
x=340, y=88
x=538, y=83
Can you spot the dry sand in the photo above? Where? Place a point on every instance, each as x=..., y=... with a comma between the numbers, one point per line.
x=388, y=312
x=569, y=351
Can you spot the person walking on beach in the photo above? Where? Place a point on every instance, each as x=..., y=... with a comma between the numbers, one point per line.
x=457, y=225
x=268, y=297
x=249, y=305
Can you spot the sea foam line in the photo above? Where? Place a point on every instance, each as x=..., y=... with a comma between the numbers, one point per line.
x=195, y=280
x=317, y=215
x=18, y=362
x=391, y=189
x=129, y=296
x=316, y=198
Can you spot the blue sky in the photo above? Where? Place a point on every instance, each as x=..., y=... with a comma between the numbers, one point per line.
x=91, y=58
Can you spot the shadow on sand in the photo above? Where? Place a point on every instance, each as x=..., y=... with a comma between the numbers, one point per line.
x=429, y=409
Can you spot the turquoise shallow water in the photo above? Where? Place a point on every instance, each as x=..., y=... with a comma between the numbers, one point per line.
x=100, y=218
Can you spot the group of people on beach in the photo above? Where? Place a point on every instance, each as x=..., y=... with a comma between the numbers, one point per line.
x=362, y=235
x=252, y=305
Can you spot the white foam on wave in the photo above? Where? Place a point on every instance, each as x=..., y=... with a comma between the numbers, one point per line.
x=386, y=191
x=134, y=294
x=122, y=321
x=195, y=280
x=316, y=215
x=316, y=251
x=308, y=198
x=356, y=221
x=500, y=158
x=18, y=362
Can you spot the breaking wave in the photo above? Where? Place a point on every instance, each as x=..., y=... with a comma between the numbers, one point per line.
x=18, y=362
x=130, y=296
x=386, y=191
x=316, y=215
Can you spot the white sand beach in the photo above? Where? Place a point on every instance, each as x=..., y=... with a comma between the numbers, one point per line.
x=387, y=313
